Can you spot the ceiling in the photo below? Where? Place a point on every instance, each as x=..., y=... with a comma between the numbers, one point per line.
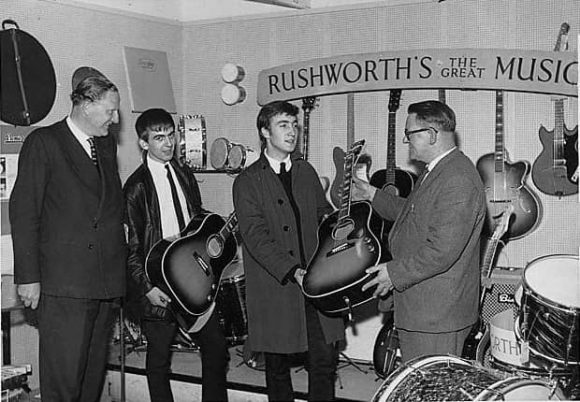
x=195, y=10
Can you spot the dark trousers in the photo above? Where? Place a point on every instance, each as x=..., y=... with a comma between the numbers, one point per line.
x=160, y=335
x=73, y=349
x=415, y=344
x=322, y=363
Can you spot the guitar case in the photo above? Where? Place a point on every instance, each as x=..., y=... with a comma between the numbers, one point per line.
x=28, y=82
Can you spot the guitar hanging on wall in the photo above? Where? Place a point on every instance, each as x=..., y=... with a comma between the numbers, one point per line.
x=504, y=184
x=347, y=245
x=308, y=104
x=553, y=171
x=392, y=179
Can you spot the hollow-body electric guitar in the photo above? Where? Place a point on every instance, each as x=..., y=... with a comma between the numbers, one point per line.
x=504, y=184
x=189, y=269
x=348, y=243
x=554, y=170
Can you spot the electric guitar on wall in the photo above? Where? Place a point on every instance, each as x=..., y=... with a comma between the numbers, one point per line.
x=488, y=257
x=504, y=184
x=308, y=104
x=189, y=269
x=338, y=155
x=392, y=179
x=486, y=267
x=347, y=245
x=553, y=171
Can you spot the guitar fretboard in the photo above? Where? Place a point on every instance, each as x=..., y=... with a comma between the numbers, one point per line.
x=499, y=134
x=230, y=226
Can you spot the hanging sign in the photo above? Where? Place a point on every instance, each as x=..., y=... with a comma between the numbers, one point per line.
x=534, y=71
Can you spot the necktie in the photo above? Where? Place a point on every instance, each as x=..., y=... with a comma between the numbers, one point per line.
x=175, y=197
x=93, y=151
x=282, y=168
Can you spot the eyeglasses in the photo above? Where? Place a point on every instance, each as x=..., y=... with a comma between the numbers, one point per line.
x=408, y=133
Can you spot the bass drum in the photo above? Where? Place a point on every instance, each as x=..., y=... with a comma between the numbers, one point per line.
x=448, y=378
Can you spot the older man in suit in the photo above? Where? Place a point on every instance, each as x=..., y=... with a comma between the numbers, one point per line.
x=66, y=212
x=434, y=240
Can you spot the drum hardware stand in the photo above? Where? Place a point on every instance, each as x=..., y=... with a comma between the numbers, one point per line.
x=350, y=362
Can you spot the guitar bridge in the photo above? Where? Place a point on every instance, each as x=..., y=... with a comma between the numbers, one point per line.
x=340, y=248
x=201, y=262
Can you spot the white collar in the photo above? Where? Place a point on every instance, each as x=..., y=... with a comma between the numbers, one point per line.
x=77, y=132
x=275, y=164
x=431, y=165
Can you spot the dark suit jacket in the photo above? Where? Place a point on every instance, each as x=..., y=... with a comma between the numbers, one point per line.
x=435, y=247
x=271, y=249
x=67, y=216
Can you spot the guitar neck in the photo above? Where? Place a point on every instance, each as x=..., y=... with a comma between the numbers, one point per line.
x=230, y=226
x=489, y=256
x=499, y=133
x=349, y=119
x=344, y=209
x=391, y=153
x=559, y=129
x=305, y=133
x=442, y=96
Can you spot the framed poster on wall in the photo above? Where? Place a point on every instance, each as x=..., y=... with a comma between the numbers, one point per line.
x=149, y=80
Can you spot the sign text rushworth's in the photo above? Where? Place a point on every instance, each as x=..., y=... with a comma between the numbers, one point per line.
x=486, y=69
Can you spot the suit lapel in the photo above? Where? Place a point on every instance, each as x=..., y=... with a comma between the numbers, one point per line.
x=78, y=160
x=421, y=186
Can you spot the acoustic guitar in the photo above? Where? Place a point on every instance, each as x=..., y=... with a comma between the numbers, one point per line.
x=504, y=184
x=553, y=171
x=392, y=179
x=348, y=243
x=189, y=269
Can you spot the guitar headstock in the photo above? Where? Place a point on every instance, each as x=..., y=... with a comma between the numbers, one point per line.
x=562, y=41
x=394, y=99
x=356, y=149
x=309, y=103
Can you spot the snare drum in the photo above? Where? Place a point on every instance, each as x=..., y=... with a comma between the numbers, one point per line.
x=218, y=153
x=231, y=304
x=191, y=143
x=549, y=317
x=241, y=157
x=448, y=378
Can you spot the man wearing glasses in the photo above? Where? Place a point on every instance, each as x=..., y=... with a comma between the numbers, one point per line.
x=434, y=273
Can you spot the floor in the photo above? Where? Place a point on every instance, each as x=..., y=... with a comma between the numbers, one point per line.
x=357, y=380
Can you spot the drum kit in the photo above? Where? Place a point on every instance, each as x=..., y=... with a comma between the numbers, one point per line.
x=224, y=155
x=532, y=356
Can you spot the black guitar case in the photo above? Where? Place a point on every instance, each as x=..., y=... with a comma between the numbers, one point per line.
x=28, y=82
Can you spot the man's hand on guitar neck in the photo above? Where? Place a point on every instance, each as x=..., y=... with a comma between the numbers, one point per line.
x=362, y=190
x=158, y=298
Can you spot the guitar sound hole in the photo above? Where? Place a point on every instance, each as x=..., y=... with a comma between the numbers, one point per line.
x=214, y=246
x=391, y=189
